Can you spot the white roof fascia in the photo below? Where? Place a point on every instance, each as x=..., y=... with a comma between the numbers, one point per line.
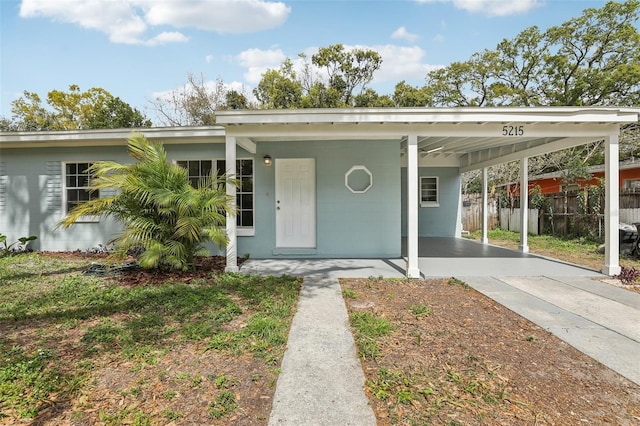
x=297, y=131
x=105, y=137
x=429, y=115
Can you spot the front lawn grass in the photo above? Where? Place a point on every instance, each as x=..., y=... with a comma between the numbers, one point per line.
x=59, y=328
x=579, y=251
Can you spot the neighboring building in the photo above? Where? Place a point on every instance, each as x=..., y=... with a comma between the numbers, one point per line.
x=314, y=183
x=552, y=183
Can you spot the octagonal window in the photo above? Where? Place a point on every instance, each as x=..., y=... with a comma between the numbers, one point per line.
x=358, y=179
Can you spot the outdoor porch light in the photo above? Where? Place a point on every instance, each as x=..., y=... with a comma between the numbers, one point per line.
x=267, y=160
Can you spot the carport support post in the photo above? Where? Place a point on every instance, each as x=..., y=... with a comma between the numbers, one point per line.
x=524, y=205
x=232, y=249
x=485, y=206
x=612, y=205
x=413, y=271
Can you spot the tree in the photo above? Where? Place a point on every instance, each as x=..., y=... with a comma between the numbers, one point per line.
x=469, y=83
x=593, y=59
x=196, y=103
x=115, y=113
x=279, y=89
x=236, y=100
x=321, y=96
x=29, y=114
x=406, y=95
x=92, y=109
x=519, y=69
x=369, y=98
x=347, y=69
x=160, y=211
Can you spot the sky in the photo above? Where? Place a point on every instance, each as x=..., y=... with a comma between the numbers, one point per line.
x=138, y=50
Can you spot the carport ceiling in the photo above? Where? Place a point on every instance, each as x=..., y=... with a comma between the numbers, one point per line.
x=476, y=137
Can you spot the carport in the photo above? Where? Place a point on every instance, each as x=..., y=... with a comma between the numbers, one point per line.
x=461, y=257
x=463, y=138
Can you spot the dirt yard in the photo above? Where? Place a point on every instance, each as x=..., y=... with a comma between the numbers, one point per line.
x=451, y=357
x=455, y=357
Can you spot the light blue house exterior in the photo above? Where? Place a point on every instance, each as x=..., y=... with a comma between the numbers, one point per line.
x=33, y=186
x=313, y=183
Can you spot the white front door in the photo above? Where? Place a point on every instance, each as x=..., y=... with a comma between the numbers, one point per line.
x=295, y=203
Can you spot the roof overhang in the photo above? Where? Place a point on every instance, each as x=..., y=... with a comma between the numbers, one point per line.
x=476, y=137
x=470, y=138
x=110, y=137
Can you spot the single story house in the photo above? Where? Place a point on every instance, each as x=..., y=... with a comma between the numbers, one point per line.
x=324, y=183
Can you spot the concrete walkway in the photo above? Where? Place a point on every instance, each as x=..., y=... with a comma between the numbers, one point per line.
x=321, y=382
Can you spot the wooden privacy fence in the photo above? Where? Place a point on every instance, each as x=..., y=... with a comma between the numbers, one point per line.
x=571, y=213
x=472, y=212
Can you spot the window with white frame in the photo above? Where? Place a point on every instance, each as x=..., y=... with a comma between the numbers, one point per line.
x=632, y=184
x=429, y=191
x=199, y=169
x=76, y=183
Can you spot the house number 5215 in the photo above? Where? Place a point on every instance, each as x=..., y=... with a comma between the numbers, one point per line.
x=512, y=130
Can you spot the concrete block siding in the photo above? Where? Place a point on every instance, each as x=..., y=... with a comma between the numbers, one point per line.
x=31, y=191
x=31, y=196
x=347, y=224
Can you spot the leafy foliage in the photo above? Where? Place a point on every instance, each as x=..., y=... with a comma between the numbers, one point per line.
x=347, y=69
x=92, y=109
x=20, y=246
x=593, y=59
x=347, y=72
x=279, y=89
x=628, y=275
x=160, y=210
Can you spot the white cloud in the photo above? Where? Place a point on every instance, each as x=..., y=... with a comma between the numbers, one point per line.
x=398, y=63
x=402, y=63
x=223, y=16
x=167, y=37
x=438, y=38
x=257, y=61
x=402, y=33
x=492, y=7
x=208, y=59
x=129, y=21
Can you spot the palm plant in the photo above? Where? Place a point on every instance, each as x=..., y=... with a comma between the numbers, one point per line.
x=161, y=211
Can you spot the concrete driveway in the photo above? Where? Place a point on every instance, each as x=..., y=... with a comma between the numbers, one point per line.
x=573, y=303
